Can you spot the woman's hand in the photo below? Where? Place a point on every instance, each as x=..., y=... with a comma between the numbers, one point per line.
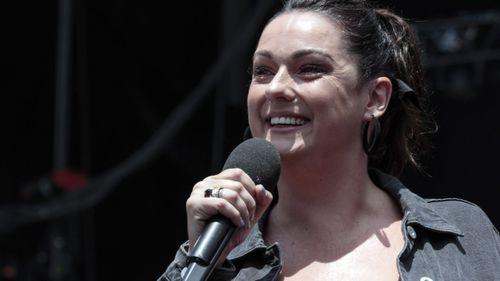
x=241, y=201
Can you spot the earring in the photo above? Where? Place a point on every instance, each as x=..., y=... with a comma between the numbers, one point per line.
x=247, y=134
x=371, y=133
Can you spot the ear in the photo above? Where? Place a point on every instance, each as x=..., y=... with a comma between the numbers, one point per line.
x=379, y=95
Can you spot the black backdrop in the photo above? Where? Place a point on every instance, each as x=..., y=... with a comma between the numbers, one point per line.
x=131, y=64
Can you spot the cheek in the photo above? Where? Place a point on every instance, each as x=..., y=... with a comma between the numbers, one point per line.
x=251, y=104
x=253, y=111
x=342, y=100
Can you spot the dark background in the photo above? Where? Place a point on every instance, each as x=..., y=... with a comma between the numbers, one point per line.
x=130, y=66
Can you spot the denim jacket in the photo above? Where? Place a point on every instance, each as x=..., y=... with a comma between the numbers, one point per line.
x=445, y=240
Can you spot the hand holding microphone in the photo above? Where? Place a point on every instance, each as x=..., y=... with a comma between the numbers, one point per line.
x=222, y=208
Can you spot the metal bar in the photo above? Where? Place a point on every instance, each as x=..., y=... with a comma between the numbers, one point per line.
x=62, y=83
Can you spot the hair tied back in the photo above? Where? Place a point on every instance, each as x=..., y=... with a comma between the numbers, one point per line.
x=406, y=92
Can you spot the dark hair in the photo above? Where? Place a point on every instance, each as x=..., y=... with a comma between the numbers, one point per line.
x=386, y=45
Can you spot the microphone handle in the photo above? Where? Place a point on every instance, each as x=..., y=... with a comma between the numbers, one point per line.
x=208, y=248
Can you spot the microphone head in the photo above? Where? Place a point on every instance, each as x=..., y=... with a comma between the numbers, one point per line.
x=259, y=159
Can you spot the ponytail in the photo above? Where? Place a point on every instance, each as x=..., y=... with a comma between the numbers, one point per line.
x=406, y=126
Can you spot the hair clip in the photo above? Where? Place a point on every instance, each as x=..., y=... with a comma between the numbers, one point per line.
x=405, y=91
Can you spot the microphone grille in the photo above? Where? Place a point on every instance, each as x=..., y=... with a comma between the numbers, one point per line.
x=259, y=159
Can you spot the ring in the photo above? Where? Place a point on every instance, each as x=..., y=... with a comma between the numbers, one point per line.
x=208, y=192
x=218, y=192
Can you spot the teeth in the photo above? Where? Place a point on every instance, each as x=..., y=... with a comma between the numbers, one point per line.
x=287, y=121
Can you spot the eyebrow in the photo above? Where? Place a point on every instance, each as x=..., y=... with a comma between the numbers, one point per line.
x=296, y=54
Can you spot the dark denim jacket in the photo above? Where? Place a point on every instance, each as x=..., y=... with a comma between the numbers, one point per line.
x=445, y=240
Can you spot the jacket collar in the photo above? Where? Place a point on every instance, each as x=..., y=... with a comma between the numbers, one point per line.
x=416, y=209
x=254, y=241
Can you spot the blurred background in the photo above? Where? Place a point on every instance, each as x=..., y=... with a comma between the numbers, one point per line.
x=112, y=110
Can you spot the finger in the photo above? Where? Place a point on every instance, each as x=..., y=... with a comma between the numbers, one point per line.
x=263, y=199
x=233, y=194
x=231, y=187
x=236, y=199
x=238, y=175
x=201, y=210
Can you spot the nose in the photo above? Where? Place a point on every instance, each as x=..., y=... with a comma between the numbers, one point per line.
x=281, y=87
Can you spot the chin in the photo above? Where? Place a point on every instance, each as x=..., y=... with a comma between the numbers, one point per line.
x=287, y=146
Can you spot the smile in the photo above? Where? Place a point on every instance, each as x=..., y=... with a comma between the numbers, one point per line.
x=287, y=121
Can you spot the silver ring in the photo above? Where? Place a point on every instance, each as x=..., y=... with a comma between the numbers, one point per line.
x=218, y=192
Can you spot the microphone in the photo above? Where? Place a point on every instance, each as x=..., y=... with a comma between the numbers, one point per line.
x=261, y=161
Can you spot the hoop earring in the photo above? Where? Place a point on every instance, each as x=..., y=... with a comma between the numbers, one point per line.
x=247, y=134
x=370, y=138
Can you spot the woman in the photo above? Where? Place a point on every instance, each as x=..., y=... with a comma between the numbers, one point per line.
x=331, y=91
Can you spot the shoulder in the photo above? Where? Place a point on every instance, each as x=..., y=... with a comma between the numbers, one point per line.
x=441, y=215
x=466, y=216
x=459, y=210
x=478, y=244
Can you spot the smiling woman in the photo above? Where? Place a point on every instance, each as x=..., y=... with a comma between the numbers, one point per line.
x=337, y=89
x=299, y=74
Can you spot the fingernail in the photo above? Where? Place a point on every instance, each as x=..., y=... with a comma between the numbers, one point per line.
x=266, y=192
x=242, y=222
x=263, y=190
x=252, y=217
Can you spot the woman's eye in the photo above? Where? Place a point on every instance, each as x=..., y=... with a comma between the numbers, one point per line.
x=312, y=69
x=260, y=72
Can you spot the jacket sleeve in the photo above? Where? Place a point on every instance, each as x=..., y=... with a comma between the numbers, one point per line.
x=484, y=245
x=496, y=239
x=174, y=269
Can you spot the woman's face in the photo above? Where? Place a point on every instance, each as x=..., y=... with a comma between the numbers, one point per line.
x=304, y=93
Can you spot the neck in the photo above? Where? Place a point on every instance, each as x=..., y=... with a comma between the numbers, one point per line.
x=312, y=191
